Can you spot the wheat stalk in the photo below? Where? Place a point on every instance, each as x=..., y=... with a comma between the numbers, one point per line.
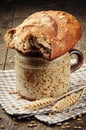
x=66, y=102
x=35, y=105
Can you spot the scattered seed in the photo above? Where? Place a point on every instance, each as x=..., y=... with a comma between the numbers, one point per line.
x=84, y=51
x=12, y=92
x=19, y=98
x=79, y=127
x=80, y=80
x=17, y=108
x=52, y=116
x=74, y=117
x=79, y=119
x=2, y=127
x=9, y=56
x=66, y=123
x=31, y=125
x=58, y=124
x=80, y=115
x=2, y=48
x=63, y=127
x=75, y=127
x=67, y=126
x=15, y=123
x=33, y=122
x=11, y=61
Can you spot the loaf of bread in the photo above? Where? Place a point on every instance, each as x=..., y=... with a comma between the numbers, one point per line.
x=48, y=34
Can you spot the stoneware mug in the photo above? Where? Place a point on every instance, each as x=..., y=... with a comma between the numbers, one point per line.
x=37, y=78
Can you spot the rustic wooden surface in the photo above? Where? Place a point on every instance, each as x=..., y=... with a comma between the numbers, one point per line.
x=13, y=13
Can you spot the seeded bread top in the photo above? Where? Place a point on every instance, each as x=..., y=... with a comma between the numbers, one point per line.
x=49, y=33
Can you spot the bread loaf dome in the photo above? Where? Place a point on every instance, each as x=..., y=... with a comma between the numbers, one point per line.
x=47, y=33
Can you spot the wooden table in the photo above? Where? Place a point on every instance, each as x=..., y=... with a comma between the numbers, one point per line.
x=13, y=13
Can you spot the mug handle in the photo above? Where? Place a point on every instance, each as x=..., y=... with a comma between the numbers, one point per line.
x=79, y=59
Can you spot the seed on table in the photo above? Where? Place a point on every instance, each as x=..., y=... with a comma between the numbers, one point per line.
x=15, y=123
x=12, y=92
x=2, y=127
x=9, y=56
x=74, y=117
x=66, y=123
x=67, y=126
x=63, y=127
x=79, y=127
x=11, y=61
x=17, y=108
x=79, y=119
x=19, y=98
x=31, y=125
x=80, y=80
x=59, y=124
x=33, y=122
x=2, y=48
x=80, y=115
x=75, y=127
x=84, y=51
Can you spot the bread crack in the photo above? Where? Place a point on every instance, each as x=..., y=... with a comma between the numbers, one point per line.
x=40, y=46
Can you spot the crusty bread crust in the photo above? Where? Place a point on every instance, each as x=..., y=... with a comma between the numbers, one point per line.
x=49, y=33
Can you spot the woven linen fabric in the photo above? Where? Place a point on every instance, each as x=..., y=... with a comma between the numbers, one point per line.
x=14, y=105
